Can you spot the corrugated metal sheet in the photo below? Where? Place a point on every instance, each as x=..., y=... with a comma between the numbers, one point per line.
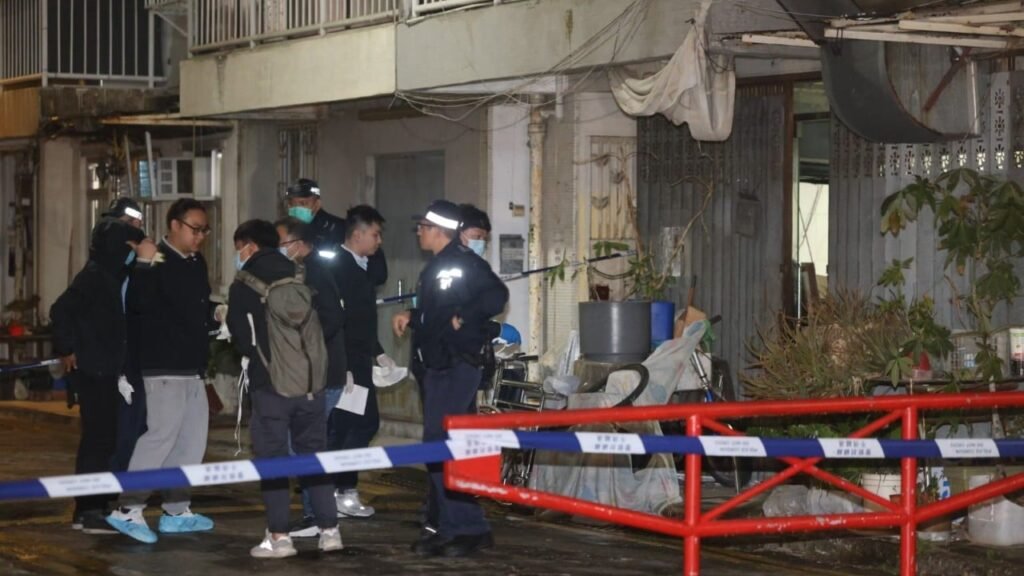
x=736, y=252
x=864, y=173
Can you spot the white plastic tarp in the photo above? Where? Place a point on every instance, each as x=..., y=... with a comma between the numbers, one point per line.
x=695, y=87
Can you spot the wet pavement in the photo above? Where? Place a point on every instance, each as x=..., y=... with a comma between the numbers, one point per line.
x=35, y=537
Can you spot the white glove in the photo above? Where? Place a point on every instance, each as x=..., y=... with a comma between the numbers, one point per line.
x=125, y=389
x=349, y=380
x=245, y=363
x=385, y=361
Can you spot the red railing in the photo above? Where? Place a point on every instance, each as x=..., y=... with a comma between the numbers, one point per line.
x=482, y=476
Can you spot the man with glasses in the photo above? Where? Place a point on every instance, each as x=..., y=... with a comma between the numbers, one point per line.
x=170, y=295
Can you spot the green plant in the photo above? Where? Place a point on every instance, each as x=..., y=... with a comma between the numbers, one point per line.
x=980, y=223
x=646, y=278
x=846, y=343
x=924, y=334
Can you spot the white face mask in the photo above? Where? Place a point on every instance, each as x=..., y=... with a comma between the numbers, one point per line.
x=478, y=246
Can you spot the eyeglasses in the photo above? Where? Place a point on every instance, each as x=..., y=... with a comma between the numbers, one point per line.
x=425, y=225
x=287, y=242
x=198, y=230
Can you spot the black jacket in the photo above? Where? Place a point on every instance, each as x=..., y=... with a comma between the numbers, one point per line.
x=456, y=282
x=330, y=235
x=359, y=297
x=89, y=317
x=268, y=266
x=175, y=317
x=327, y=302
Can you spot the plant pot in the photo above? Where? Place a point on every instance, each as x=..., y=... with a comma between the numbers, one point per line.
x=996, y=522
x=884, y=484
x=615, y=332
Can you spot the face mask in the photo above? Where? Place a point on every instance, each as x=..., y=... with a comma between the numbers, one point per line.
x=284, y=251
x=130, y=258
x=478, y=246
x=239, y=263
x=301, y=213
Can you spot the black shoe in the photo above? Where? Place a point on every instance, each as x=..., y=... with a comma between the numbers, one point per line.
x=96, y=523
x=466, y=545
x=304, y=528
x=429, y=545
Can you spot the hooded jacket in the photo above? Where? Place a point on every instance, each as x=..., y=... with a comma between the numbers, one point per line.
x=89, y=317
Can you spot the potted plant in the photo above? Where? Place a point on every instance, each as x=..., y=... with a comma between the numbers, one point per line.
x=643, y=315
x=979, y=220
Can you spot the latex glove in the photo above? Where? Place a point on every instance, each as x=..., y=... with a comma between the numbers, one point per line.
x=245, y=363
x=220, y=313
x=125, y=389
x=350, y=380
x=385, y=361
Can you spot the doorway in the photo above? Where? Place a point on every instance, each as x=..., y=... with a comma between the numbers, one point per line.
x=405, y=184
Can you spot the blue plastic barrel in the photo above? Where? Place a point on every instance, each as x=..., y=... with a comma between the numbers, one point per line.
x=663, y=315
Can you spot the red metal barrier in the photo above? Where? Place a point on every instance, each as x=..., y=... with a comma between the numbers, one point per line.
x=480, y=476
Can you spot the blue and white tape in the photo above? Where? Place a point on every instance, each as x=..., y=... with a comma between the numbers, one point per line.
x=466, y=444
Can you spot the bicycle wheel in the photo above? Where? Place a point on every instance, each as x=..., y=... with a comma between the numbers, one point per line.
x=515, y=464
x=727, y=471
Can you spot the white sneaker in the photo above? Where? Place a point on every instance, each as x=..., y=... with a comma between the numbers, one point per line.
x=304, y=528
x=349, y=505
x=271, y=548
x=330, y=540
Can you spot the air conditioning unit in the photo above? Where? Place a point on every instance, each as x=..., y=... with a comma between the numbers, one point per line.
x=198, y=178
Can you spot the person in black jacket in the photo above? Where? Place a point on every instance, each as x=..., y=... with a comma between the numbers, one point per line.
x=170, y=294
x=89, y=333
x=277, y=419
x=328, y=229
x=297, y=244
x=358, y=296
x=458, y=294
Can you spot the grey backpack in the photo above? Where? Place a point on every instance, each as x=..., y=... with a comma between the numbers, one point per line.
x=298, y=364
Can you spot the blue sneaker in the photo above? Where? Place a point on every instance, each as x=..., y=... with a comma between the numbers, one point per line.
x=184, y=522
x=131, y=523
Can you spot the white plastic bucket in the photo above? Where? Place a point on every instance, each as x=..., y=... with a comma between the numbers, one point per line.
x=997, y=522
x=885, y=485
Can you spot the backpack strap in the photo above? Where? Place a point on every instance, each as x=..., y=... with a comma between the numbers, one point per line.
x=257, y=285
x=300, y=273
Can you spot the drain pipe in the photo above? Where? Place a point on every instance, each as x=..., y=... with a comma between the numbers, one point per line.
x=536, y=252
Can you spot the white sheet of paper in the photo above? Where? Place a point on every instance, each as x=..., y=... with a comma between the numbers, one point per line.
x=353, y=399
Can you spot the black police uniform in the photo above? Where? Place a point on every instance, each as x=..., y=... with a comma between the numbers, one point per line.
x=456, y=282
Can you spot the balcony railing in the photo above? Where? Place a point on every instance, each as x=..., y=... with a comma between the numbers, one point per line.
x=96, y=41
x=219, y=24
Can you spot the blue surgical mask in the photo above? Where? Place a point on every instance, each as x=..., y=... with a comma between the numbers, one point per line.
x=130, y=258
x=284, y=251
x=301, y=213
x=478, y=246
x=239, y=263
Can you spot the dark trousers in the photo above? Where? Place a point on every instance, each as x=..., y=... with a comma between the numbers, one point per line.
x=97, y=401
x=351, y=431
x=131, y=424
x=451, y=391
x=274, y=419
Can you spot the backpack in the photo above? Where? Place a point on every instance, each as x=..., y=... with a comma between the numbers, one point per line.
x=296, y=339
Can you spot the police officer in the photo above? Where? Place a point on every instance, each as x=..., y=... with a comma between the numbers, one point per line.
x=328, y=230
x=458, y=295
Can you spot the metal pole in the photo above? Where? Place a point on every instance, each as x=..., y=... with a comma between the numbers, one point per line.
x=536, y=140
x=44, y=64
x=151, y=52
x=691, y=502
x=908, y=494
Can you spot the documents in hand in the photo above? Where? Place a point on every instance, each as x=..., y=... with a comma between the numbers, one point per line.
x=353, y=399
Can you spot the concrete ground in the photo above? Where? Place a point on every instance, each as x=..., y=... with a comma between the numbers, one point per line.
x=35, y=537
